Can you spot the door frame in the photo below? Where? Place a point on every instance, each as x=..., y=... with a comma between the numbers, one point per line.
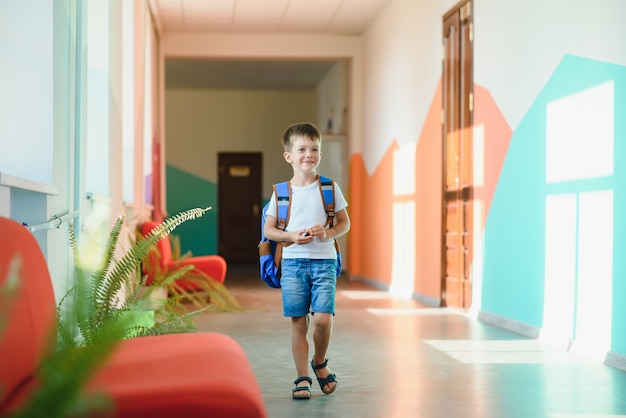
x=460, y=114
x=223, y=209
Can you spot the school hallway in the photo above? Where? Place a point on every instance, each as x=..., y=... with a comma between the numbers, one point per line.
x=398, y=358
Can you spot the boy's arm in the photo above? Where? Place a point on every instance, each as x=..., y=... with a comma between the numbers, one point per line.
x=275, y=234
x=341, y=225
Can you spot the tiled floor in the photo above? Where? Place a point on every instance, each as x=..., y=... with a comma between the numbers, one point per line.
x=395, y=358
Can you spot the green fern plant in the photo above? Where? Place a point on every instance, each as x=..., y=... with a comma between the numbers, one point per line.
x=96, y=307
x=61, y=373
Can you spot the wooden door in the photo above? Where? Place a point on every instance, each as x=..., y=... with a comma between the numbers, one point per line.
x=457, y=157
x=239, y=197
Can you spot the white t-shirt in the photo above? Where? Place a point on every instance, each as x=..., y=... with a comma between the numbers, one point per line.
x=307, y=210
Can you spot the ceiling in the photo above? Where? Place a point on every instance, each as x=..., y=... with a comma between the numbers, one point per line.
x=329, y=17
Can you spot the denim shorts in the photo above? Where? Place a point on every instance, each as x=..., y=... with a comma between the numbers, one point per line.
x=308, y=285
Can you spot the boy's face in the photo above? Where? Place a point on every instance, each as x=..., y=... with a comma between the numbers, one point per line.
x=305, y=154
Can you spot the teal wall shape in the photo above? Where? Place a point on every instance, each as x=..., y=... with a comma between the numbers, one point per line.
x=514, y=231
x=514, y=265
x=186, y=191
x=618, y=338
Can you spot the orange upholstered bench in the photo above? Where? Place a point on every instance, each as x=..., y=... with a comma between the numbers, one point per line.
x=175, y=375
x=213, y=266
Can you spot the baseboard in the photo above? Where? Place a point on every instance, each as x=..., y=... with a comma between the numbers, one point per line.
x=512, y=325
x=369, y=282
x=611, y=359
x=426, y=300
x=615, y=360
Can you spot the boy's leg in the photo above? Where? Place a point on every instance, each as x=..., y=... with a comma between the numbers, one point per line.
x=323, y=305
x=300, y=347
x=322, y=332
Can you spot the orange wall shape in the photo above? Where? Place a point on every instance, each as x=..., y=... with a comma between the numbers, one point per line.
x=356, y=179
x=497, y=137
x=371, y=233
x=371, y=218
x=428, y=195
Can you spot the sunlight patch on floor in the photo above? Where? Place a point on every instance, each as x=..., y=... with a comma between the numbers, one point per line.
x=585, y=416
x=412, y=311
x=366, y=294
x=490, y=345
x=505, y=352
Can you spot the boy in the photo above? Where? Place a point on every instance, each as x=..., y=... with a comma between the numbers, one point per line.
x=308, y=269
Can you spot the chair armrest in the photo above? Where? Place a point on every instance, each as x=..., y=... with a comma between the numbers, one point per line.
x=213, y=266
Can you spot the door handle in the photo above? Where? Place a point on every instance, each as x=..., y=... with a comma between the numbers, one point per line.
x=255, y=210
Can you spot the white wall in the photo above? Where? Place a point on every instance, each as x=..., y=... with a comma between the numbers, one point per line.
x=401, y=68
x=202, y=123
x=26, y=81
x=333, y=99
x=99, y=67
x=587, y=28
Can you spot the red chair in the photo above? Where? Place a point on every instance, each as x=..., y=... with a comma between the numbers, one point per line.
x=213, y=266
x=188, y=375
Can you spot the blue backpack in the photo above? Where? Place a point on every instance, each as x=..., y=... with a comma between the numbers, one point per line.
x=270, y=252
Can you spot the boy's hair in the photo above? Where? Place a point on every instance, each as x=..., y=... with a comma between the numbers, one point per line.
x=307, y=130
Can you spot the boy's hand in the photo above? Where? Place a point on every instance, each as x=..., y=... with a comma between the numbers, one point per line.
x=318, y=231
x=302, y=237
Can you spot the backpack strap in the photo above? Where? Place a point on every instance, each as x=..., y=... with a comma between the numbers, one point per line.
x=282, y=191
x=283, y=204
x=327, y=189
x=283, y=209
